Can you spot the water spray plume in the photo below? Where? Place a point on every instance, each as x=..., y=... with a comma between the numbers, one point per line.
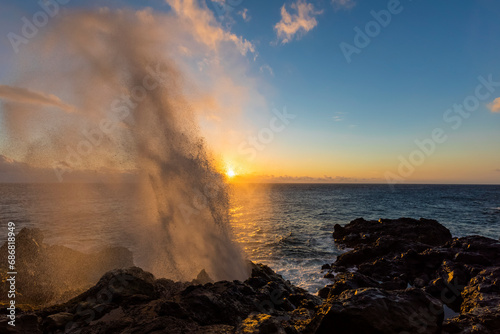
x=114, y=71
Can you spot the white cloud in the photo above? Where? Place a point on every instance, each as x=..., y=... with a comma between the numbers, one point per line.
x=255, y=178
x=343, y=4
x=85, y=67
x=339, y=116
x=292, y=25
x=244, y=14
x=204, y=26
x=266, y=68
x=495, y=105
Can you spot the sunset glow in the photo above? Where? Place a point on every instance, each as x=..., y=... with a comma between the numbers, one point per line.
x=230, y=173
x=350, y=114
x=245, y=165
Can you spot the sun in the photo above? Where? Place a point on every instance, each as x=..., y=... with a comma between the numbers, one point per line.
x=231, y=170
x=230, y=173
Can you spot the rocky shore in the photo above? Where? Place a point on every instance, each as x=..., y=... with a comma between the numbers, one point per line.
x=395, y=276
x=453, y=284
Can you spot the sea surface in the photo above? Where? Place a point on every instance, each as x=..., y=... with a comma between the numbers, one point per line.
x=286, y=226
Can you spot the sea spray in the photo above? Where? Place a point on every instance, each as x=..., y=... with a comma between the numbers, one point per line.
x=119, y=85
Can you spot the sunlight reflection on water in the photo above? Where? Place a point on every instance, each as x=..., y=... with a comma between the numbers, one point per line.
x=288, y=227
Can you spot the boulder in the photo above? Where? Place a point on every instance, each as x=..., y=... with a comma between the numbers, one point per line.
x=56, y=321
x=360, y=231
x=376, y=311
x=202, y=278
x=133, y=301
x=480, y=310
x=462, y=273
x=349, y=281
x=396, y=279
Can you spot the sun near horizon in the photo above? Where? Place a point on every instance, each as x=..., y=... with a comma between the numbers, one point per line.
x=305, y=94
x=229, y=170
x=230, y=173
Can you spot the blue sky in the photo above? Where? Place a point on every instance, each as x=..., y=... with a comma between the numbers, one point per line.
x=355, y=119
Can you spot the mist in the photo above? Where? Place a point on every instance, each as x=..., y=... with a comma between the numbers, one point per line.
x=107, y=91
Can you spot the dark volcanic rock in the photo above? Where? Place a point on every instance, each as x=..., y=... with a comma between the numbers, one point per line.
x=349, y=281
x=462, y=273
x=480, y=310
x=52, y=273
x=384, y=240
x=395, y=280
x=133, y=301
x=29, y=324
x=118, y=285
x=375, y=311
x=202, y=278
x=360, y=231
x=262, y=323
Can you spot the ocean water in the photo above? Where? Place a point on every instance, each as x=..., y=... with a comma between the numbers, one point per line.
x=289, y=226
x=286, y=226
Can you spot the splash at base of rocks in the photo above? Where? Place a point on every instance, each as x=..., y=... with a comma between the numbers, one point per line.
x=406, y=272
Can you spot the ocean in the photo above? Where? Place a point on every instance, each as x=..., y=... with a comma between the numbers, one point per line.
x=286, y=226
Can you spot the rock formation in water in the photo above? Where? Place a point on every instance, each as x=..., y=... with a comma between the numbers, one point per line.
x=455, y=282
x=133, y=301
x=401, y=276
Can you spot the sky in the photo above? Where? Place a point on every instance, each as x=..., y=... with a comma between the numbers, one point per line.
x=321, y=91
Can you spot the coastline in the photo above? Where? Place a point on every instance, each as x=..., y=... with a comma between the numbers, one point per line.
x=399, y=276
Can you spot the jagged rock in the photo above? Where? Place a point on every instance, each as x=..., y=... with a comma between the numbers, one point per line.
x=53, y=273
x=460, y=272
x=57, y=321
x=375, y=311
x=173, y=309
x=325, y=267
x=480, y=310
x=324, y=292
x=360, y=231
x=216, y=303
x=261, y=324
x=202, y=278
x=133, y=301
x=119, y=284
x=401, y=281
x=349, y=281
x=25, y=323
x=384, y=240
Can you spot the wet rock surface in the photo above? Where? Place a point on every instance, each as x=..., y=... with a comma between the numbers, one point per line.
x=401, y=276
x=373, y=310
x=133, y=301
x=462, y=274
